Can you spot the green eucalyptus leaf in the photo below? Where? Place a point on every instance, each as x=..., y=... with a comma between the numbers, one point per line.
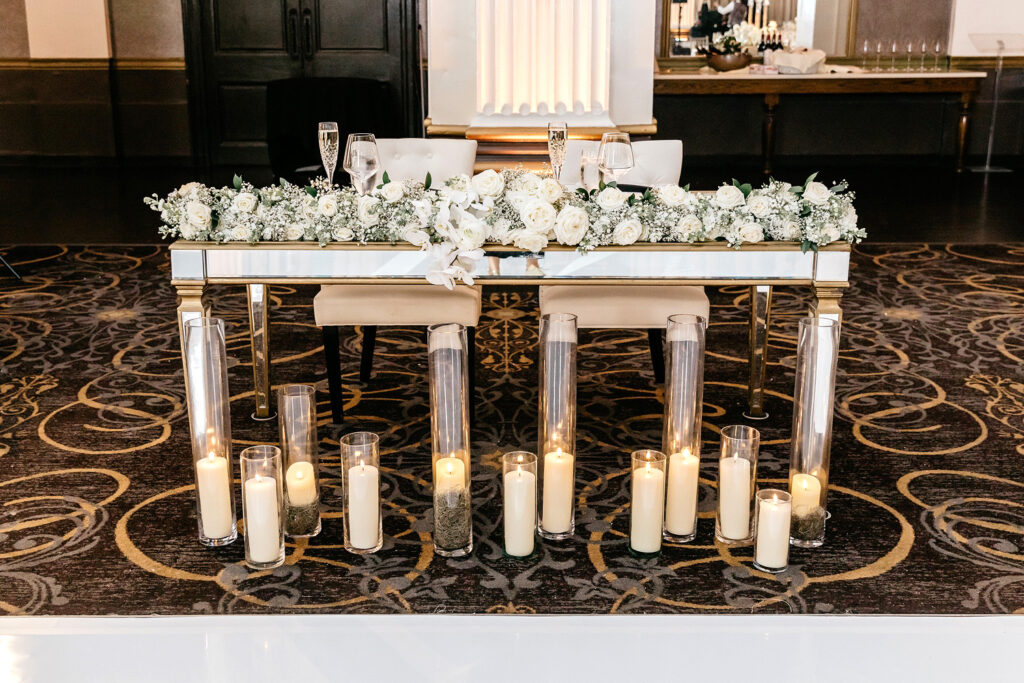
x=687, y=187
x=632, y=200
x=810, y=179
x=426, y=183
x=237, y=182
x=601, y=185
x=310, y=190
x=805, y=246
x=613, y=183
x=385, y=179
x=282, y=182
x=840, y=187
x=583, y=192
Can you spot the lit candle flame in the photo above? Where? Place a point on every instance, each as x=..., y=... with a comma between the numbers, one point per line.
x=362, y=463
x=298, y=474
x=451, y=469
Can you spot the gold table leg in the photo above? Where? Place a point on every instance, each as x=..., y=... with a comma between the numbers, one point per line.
x=760, y=317
x=192, y=304
x=259, y=332
x=826, y=304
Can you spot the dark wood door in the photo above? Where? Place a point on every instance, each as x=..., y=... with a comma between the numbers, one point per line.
x=233, y=49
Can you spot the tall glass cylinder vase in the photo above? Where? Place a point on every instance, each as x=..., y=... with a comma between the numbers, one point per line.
x=296, y=409
x=813, y=397
x=210, y=424
x=360, y=467
x=262, y=505
x=557, y=425
x=449, y=427
x=737, y=472
x=684, y=395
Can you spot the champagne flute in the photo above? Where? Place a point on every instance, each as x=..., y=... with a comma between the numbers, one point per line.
x=878, y=56
x=865, y=51
x=910, y=55
x=588, y=160
x=938, y=53
x=558, y=132
x=614, y=156
x=361, y=160
x=924, y=55
x=893, y=49
x=327, y=132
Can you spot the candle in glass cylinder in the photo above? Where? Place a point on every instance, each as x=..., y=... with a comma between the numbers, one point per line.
x=300, y=483
x=556, y=512
x=806, y=492
x=771, y=546
x=262, y=518
x=520, y=503
x=647, y=502
x=734, y=498
x=683, y=479
x=363, y=506
x=213, y=479
x=452, y=524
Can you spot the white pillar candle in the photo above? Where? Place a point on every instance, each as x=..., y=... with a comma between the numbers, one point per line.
x=559, y=487
x=363, y=506
x=771, y=549
x=683, y=479
x=647, y=513
x=806, y=492
x=734, y=497
x=449, y=474
x=262, y=519
x=520, y=512
x=300, y=481
x=213, y=477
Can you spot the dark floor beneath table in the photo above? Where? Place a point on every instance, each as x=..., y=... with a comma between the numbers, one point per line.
x=97, y=515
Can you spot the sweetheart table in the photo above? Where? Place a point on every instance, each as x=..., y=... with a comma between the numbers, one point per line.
x=761, y=266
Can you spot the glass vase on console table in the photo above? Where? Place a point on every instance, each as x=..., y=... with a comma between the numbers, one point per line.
x=558, y=132
x=361, y=160
x=327, y=134
x=614, y=156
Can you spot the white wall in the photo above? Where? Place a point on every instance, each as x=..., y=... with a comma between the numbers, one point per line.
x=985, y=16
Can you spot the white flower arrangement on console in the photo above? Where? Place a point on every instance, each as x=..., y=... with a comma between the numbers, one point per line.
x=514, y=207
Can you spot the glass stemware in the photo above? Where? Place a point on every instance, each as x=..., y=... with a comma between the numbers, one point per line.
x=361, y=161
x=938, y=53
x=558, y=132
x=878, y=56
x=865, y=51
x=894, y=48
x=910, y=56
x=924, y=55
x=327, y=133
x=614, y=156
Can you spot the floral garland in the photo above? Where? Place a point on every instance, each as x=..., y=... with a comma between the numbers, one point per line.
x=511, y=207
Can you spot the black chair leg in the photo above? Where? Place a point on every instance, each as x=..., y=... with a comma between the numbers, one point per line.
x=657, y=354
x=332, y=359
x=471, y=371
x=366, y=360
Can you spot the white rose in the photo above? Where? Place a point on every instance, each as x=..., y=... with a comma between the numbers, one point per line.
x=417, y=237
x=529, y=183
x=673, y=195
x=816, y=193
x=488, y=183
x=831, y=233
x=688, y=227
x=444, y=227
x=309, y=207
x=550, y=190
x=472, y=234
x=627, y=231
x=530, y=241
x=571, y=225
x=393, y=191
x=366, y=210
x=538, y=215
x=294, y=232
x=729, y=197
x=518, y=200
x=188, y=188
x=343, y=234
x=759, y=205
x=751, y=232
x=198, y=214
x=791, y=231
x=268, y=235
x=245, y=202
x=238, y=234
x=611, y=198
x=188, y=231
x=327, y=204
x=849, y=220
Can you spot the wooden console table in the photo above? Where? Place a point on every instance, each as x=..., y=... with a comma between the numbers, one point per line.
x=964, y=83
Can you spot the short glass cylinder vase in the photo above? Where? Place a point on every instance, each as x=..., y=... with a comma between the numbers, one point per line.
x=684, y=396
x=647, y=502
x=737, y=472
x=296, y=410
x=556, y=438
x=519, y=486
x=771, y=530
x=262, y=506
x=360, y=478
x=206, y=380
x=813, y=397
x=447, y=360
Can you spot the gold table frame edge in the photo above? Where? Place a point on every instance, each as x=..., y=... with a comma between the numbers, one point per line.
x=192, y=300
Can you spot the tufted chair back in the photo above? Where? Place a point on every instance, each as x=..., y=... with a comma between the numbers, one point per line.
x=412, y=158
x=655, y=162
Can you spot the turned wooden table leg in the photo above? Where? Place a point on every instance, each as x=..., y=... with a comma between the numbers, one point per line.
x=966, y=99
x=259, y=333
x=768, y=132
x=760, y=317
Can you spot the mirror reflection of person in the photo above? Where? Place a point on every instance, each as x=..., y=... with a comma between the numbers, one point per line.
x=735, y=12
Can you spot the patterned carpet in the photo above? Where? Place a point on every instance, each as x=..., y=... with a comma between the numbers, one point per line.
x=97, y=513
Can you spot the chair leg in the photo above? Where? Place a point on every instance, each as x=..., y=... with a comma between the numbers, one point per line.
x=471, y=371
x=657, y=354
x=366, y=361
x=332, y=359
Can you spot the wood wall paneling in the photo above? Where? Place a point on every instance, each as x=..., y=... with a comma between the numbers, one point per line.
x=353, y=26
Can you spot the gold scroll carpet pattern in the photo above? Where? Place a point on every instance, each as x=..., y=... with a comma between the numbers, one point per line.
x=97, y=507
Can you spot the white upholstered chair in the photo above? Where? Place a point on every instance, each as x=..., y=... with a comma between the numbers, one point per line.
x=656, y=162
x=371, y=306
